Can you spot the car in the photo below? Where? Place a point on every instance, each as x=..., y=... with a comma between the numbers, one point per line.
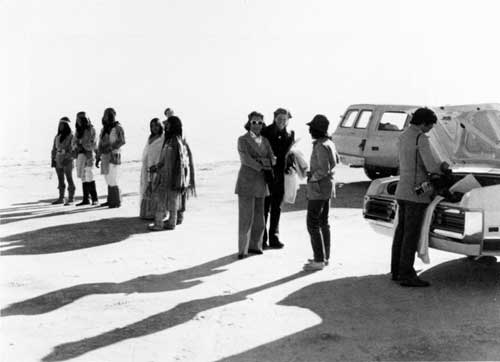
x=467, y=137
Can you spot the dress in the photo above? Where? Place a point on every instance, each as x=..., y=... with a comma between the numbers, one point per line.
x=169, y=182
x=150, y=156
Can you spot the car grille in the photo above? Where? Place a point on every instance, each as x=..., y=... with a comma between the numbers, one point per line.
x=380, y=209
x=447, y=219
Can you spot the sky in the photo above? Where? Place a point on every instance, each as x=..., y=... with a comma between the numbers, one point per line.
x=215, y=61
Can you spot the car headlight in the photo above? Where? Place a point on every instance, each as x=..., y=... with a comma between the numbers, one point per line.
x=473, y=224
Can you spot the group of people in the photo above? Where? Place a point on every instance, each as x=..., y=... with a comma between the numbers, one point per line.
x=266, y=157
x=80, y=147
x=167, y=176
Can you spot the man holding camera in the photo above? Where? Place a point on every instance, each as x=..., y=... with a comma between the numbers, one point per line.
x=413, y=194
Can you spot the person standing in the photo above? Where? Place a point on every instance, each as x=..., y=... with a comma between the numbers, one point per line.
x=281, y=141
x=62, y=160
x=84, y=145
x=150, y=157
x=320, y=188
x=257, y=158
x=111, y=139
x=170, y=176
x=413, y=195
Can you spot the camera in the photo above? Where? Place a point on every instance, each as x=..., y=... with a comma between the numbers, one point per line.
x=423, y=188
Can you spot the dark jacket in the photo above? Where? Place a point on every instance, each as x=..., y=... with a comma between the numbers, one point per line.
x=280, y=141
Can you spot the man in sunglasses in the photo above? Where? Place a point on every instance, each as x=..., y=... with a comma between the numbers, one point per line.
x=281, y=140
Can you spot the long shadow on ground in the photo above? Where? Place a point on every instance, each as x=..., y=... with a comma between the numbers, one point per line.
x=372, y=319
x=181, y=313
x=43, y=208
x=154, y=283
x=56, y=239
x=348, y=195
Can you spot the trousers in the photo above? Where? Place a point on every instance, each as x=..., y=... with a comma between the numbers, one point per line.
x=405, y=241
x=250, y=223
x=319, y=228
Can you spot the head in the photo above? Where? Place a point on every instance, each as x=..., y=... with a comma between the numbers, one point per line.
x=255, y=122
x=109, y=117
x=155, y=127
x=318, y=127
x=168, y=113
x=424, y=118
x=63, y=125
x=64, y=129
x=173, y=127
x=281, y=117
x=81, y=124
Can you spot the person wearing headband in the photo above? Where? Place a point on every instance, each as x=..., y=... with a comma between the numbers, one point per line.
x=62, y=161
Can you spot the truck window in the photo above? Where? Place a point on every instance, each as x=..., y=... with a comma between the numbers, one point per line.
x=392, y=121
x=349, y=118
x=363, y=119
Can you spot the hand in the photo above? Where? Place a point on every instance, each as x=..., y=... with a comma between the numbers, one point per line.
x=153, y=169
x=53, y=164
x=445, y=167
x=97, y=162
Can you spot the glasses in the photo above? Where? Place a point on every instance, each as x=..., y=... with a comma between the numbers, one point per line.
x=260, y=123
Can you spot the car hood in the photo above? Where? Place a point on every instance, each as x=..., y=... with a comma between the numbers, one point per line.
x=468, y=135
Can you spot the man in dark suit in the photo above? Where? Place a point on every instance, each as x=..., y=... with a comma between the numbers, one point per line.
x=281, y=140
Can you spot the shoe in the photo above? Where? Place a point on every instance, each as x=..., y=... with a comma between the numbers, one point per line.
x=106, y=204
x=242, y=256
x=414, y=282
x=154, y=227
x=84, y=202
x=326, y=261
x=95, y=203
x=255, y=251
x=58, y=201
x=276, y=245
x=314, y=265
x=265, y=246
x=168, y=227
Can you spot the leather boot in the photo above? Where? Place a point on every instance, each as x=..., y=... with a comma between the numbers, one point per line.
x=60, y=200
x=114, y=198
x=85, y=201
x=108, y=197
x=71, y=196
x=93, y=193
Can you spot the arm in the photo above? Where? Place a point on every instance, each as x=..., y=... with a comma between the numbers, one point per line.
x=53, y=154
x=325, y=162
x=430, y=162
x=120, y=138
x=88, y=142
x=245, y=157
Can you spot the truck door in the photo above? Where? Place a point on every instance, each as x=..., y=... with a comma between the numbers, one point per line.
x=382, y=147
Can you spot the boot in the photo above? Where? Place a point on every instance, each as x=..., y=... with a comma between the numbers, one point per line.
x=60, y=200
x=114, y=198
x=158, y=224
x=85, y=201
x=71, y=195
x=93, y=193
x=108, y=197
